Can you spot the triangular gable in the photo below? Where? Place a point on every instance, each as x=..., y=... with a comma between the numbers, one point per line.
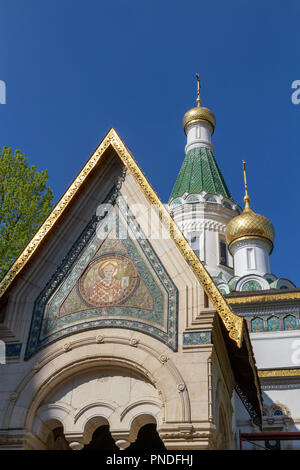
x=136, y=291
x=235, y=327
x=233, y=323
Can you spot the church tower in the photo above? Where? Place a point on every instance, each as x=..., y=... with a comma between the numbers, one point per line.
x=200, y=202
x=250, y=239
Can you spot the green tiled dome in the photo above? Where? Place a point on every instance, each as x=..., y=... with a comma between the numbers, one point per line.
x=200, y=172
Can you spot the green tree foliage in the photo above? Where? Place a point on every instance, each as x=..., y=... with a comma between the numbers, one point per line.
x=25, y=202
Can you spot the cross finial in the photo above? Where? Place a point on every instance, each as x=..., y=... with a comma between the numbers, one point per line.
x=246, y=197
x=199, y=101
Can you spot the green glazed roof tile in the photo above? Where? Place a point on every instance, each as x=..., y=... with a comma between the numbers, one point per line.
x=200, y=172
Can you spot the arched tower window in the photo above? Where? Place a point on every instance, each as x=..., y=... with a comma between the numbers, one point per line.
x=251, y=285
x=290, y=322
x=257, y=325
x=223, y=252
x=274, y=323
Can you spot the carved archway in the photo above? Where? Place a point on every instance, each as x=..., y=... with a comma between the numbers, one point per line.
x=30, y=408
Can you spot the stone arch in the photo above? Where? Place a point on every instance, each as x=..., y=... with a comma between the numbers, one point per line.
x=137, y=415
x=48, y=420
x=145, y=431
x=113, y=396
x=46, y=434
x=50, y=416
x=156, y=368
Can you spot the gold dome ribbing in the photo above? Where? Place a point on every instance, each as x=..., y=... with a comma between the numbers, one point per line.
x=249, y=224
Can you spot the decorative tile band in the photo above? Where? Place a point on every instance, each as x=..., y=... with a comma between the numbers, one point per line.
x=277, y=322
x=200, y=337
x=13, y=350
x=263, y=318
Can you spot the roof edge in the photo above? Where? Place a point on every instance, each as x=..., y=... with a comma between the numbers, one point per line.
x=232, y=322
x=266, y=296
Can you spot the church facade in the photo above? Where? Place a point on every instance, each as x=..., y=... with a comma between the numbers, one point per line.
x=124, y=316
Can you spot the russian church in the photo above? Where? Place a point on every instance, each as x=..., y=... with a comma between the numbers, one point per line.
x=126, y=320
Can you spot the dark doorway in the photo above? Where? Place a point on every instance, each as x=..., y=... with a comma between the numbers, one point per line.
x=102, y=440
x=148, y=440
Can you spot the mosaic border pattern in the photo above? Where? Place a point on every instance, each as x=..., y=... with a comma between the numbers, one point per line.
x=196, y=338
x=264, y=314
x=168, y=337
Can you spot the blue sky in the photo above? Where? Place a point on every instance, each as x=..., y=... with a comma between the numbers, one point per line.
x=75, y=68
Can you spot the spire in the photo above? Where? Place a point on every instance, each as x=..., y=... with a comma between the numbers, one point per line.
x=249, y=224
x=199, y=101
x=246, y=197
x=199, y=113
x=200, y=172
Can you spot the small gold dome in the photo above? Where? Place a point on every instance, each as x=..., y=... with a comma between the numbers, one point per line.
x=249, y=225
x=199, y=113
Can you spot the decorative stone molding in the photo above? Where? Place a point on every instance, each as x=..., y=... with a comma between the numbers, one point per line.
x=189, y=224
x=123, y=439
x=187, y=436
x=280, y=387
x=99, y=339
x=76, y=445
x=181, y=387
x=67, y=347
x=122, y=444
x=134, y=342
x=245, y=243
x=36, y=368
x=277, y=406
x=68, y=364
x=163, y=358
x=13, y=397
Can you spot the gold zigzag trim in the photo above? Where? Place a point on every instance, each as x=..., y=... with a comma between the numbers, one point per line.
x=279, y=373
x=264, y=298
x=233, y=323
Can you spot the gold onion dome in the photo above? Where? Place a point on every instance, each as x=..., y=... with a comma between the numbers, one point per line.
x=249, y=224
x=199, y=113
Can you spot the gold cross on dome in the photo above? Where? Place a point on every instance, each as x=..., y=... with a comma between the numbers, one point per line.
x=246, y=197
x=198, y=89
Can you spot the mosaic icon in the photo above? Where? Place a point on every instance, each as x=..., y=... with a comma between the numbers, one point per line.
x=108, y=280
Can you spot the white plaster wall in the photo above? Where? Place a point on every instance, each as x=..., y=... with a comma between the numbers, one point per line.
x=289, y=397
x=276, y=349
x=212, y=256
x=243, y=265
x=199, y=135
